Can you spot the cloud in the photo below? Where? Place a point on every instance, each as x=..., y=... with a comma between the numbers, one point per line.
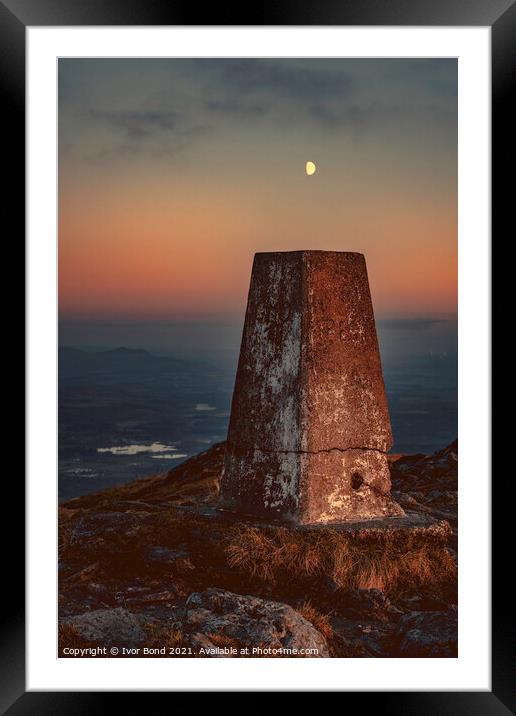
x=279, y=80
x=234, y=107
x=271, y=88
x=118, y=133
x=140, y=124
x=112, y=108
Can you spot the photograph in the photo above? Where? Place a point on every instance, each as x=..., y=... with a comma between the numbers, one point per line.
x=257, y=357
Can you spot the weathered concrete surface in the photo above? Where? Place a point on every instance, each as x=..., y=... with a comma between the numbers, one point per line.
x=344, y=403
x=345, y=485
x=266, y=401
x=309, y=487
x=263, y=484
x=309, y=427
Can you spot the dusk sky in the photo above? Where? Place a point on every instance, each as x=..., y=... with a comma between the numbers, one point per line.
x=173, y=173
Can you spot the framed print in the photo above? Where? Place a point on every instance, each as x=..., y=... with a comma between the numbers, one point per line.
x=258, y=261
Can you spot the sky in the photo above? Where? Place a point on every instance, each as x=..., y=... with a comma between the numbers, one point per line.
x=174, y=172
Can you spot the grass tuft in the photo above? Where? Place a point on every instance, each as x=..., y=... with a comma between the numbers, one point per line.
x=223, y=640
x=389, y=561
x=320, y=621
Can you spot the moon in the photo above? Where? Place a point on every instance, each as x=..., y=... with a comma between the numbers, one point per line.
x=310, y=168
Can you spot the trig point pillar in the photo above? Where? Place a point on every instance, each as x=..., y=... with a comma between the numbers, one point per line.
x=309, y=428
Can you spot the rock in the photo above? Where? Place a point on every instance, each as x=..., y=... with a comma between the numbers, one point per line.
x=97, y=588
x=426, y=472
x=368, y=603
x=108, y=627
x=166, y=596
x=362, y=638
x=427, y=484
x=165, y=556
x=108, y=533
x=164, y=559
x=366, y=623
x=426, y=601
x=424, y=634
x=252, y=622
x=329, y=587
x=448, y=457
x=205, y=647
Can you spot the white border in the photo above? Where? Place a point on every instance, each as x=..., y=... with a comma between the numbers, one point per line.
x=471, y=670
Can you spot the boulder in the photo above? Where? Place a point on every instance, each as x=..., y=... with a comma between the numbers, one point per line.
x=251, y=622
x=424, y=634
x=109, y=627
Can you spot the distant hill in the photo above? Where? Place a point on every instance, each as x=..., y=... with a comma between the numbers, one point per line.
x=74, y=362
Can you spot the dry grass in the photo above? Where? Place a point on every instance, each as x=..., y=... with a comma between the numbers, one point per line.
x=222, y=640
x=257, y=553
x=388, y=562
x=69, y=637
x=320, y=621
x=159, y=636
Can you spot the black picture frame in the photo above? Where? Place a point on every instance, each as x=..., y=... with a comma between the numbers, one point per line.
x=15, y=17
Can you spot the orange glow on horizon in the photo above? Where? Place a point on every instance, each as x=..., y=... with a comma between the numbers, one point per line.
x=193, y=255
x=174, y=173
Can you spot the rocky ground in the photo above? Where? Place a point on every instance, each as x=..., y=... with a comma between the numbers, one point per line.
x=151, y=569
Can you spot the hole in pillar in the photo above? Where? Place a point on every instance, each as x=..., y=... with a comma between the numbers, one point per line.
x=356, y=480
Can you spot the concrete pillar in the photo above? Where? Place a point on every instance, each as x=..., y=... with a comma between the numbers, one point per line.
x=309, y=428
